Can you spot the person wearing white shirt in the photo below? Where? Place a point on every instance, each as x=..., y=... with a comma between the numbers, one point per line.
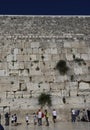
x=54, y=115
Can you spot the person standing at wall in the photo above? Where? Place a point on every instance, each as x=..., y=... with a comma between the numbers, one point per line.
x=34, y=118
x=6, y=118
x=73, y=115
x=27, y=119
x=1, y=127
x=0, y=118
x=46, y=117
x=54, y=115
x=39, y=116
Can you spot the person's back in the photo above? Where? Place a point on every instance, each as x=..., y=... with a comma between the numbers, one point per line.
x=54, y=114
x=1, y=127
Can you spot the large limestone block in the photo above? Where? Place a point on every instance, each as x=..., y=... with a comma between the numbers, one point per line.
x=35, y=51
x=29, y=50
x=85, y=70
x=35, y=45
x=10, y=57
x=84, y=86
x=58, y=87
x=15, y=51
x=47, y=51
x=75, y=44
x=34, y=72
x=47, y=57
x=55, y=57
x=56, y=101
x=23, y=72
x=34, y=86
x=37, y=79
x=77, y=55
x=83, y=93
x=83, y=50
x=16, y=66
x=53, y=50
x=3, y=65
x=2, y=73
x=78, y=70
x=69, y=57
x=20, y=58
x=60, y=78
x=13, y=72
x=21, y=65
x=73, y=92
x=67, y=44
x=73, y=85
x=33, y=57
x=44, y=86
x=75, y=100
x=84, y=56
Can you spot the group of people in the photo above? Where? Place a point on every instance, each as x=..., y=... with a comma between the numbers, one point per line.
x=80, y=115
x=39, y=115
x=14, y=119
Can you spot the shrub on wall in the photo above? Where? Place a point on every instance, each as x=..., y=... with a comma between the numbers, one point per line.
x=62, y=67
x=44, y=99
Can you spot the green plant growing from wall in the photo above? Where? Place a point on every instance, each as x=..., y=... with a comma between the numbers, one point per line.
x=44, y=99
x=62, y=67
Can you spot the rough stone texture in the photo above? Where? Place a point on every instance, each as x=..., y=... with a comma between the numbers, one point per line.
x=30, y=47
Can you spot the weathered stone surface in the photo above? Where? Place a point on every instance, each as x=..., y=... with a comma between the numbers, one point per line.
x=30, y=48
x=84, y=86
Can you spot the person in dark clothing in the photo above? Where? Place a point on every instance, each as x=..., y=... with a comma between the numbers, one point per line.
x=1, y=127
x=88, y=114
x=7, y=119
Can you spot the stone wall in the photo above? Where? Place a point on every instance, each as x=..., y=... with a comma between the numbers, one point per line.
x=30, y=48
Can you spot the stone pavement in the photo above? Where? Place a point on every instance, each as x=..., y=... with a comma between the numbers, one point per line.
x=56, y=126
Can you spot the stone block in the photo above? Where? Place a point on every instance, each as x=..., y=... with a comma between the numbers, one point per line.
x=33, y=57
x=34, y=72
x=20, y=58
x=84, y=86
x=75, y=100
x=75, y=44
x=21, y=65
x=78, y=71
x=10, y=58
x=15, y=51
x=53, y=50
x=47, y=57
x=69, y=57
x=47, y=51
x=55, y=57
x=29, y=50
x=35, y=51
x=73, y=85
x=60, y=78
x=67, y=44
x=84, y=56
x=2, y=73
x=35, y=45
x=73, y=92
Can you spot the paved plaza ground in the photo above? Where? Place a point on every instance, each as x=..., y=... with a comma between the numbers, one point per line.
x=56, y=126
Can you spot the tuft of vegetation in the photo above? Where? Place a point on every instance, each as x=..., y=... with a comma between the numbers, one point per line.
x=62, y=67
x=44, y=99
x=79, y=61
